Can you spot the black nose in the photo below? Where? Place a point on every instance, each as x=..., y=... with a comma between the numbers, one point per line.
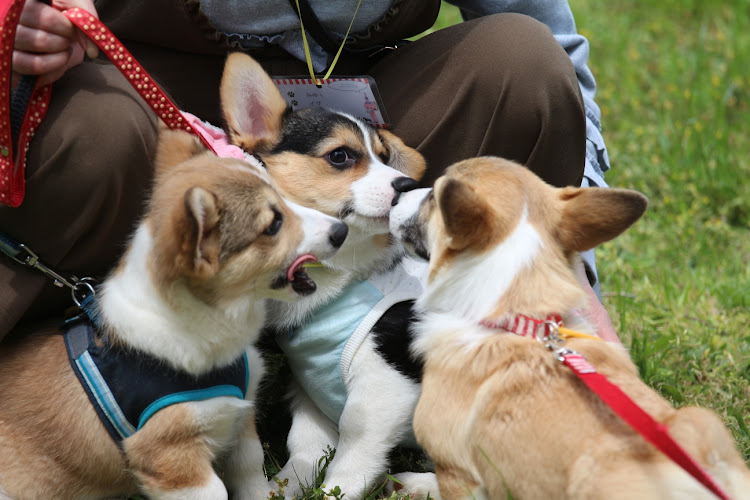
x=338, y=234
x=402, y=185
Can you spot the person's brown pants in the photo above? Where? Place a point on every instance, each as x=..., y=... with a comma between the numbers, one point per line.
x=499, y=85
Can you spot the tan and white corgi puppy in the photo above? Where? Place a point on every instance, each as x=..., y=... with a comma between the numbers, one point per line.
x=499, y=414
x=347, y=345
x=182, y=309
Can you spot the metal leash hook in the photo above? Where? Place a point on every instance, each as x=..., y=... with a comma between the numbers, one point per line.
x=80, y=289
x=552, y=339
x=556, y=343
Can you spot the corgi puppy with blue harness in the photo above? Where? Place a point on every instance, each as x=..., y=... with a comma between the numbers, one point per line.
x=347, y=346
x=154, y=393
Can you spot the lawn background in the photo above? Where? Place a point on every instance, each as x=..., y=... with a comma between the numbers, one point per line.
x=673, y=85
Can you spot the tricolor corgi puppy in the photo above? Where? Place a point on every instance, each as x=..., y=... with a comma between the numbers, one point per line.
x=347, y=345
x=173, y=340
x=499, y=414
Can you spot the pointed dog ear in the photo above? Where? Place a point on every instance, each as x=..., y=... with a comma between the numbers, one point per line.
x=591, y=216
x=402, y=157
x=465, y=215
x=202, y=241
x=251, y=103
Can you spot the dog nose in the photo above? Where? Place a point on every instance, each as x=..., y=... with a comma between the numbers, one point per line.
x=402, y=185
x=338, y=234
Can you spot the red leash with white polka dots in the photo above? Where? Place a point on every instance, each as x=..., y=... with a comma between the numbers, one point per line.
x=13, y=156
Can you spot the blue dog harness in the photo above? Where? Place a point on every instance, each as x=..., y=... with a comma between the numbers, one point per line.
x=128, y=387
x=320, y=350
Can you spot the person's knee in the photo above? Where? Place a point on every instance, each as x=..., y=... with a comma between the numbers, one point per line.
x=531, y=91
x=518, y=54
x=90, y=167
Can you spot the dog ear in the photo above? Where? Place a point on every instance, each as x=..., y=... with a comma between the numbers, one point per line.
x=592, y=216
x=252, y=105
x=176, y=147
x=202, y=240
x=464, y=213
x=402, y=157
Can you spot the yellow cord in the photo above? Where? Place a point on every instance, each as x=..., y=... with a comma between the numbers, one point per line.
x=567, y=333
x=308, y=57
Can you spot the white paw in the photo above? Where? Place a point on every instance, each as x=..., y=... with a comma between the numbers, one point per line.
x=417, y=484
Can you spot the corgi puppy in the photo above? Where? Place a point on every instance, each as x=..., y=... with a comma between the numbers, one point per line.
x=185, y=304
x=347, y=345
x=499, y=414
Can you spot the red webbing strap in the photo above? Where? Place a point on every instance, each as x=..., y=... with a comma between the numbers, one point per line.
x=654, y=432
x=13, y=156
x=131, y=69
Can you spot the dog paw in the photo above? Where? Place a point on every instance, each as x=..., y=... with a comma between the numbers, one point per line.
x=418, y=485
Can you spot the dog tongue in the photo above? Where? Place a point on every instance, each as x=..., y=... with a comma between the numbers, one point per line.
x=296, y=274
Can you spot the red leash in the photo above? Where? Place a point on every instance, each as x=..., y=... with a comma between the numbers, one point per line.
x=13, y=156
x=652, y=431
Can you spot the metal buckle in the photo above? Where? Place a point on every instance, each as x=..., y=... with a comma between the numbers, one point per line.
x=79, y=288
x=561, y=352
x=82, y=289
x=552, y=339
x=31, y=259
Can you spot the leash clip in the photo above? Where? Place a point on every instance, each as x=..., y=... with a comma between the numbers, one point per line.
x=31, y=259
x=552, y=339
x=562, y=352
x=80, y=289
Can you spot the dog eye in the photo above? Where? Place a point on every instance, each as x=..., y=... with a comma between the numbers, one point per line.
x=341, y=158
x=275, y=224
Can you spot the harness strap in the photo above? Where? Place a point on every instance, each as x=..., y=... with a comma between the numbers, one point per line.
x=127, y=387
x=653, y=431
x=77, y=340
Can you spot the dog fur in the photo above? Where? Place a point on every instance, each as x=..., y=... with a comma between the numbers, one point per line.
x=217, y=242
x=331, y=162
x=498, y=413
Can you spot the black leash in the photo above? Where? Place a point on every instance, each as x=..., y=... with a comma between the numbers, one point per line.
x=82, y=290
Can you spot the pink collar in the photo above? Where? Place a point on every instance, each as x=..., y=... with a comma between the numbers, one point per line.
x=214, y=136
x=526, y=326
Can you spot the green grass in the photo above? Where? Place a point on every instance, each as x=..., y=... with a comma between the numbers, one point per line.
x=674, y=89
